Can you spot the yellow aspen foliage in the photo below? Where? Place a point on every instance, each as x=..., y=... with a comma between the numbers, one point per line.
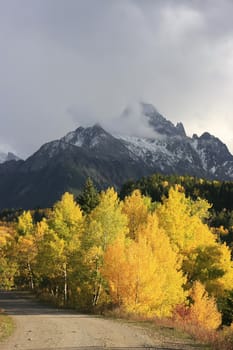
x=212, y=266
x=137, y=211
x=110, y=218
x=25, y=223
x=8, y=256
x=66, y=218
x=40, y=229
x=220, y=231
x=204, y=259
x=144, y=281
x=200, y=208
x=51, y=257
x=184, y=228
x=58, y=240
x=88, y=263
x=50, y=250
x=92, y=235
x=131, y=272
x=143, y=275
x=5, y=236
x=225, y=263
x=116, y=270
x=103, y=225
x=67, y=209
x=204, y=310
x=169, y=262
x=26, y=247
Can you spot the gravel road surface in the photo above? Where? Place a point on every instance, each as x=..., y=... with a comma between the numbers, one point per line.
x=39, y=327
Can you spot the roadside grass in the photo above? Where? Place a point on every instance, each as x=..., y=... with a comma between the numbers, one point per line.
x=6, y=326
x=170, y=333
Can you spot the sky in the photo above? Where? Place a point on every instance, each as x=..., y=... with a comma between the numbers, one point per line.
x=66, y=63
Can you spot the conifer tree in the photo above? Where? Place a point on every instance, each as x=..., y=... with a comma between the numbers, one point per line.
x=89, y=197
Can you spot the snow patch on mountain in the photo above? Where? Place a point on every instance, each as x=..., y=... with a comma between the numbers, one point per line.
x=86, y=137
x=201, y=152
x=143, y=147
x=166, y=148
x=159, y=151
x=50, y=149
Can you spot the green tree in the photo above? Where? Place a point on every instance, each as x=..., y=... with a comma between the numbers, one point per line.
x=89, y=197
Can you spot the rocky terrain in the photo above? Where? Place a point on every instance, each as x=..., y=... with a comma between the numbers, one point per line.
x=110, y=160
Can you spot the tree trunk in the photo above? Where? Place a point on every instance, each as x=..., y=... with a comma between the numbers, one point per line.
x=65, y=284
x=98, y=284
x=30, y=276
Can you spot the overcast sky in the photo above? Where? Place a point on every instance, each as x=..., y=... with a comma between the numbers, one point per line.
x=65, y=63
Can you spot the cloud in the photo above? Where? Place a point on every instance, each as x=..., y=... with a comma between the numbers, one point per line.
x=5, y=148
x=67, y=63
x=131, y=122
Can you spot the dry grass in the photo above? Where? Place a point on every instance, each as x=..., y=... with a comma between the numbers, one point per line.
x=6, y=325
x=165, y=328
x=172, y=328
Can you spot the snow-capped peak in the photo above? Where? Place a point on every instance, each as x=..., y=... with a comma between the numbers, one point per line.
x=86, y=137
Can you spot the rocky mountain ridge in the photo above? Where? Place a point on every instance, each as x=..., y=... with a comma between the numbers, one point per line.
x=6, y=157
x=110, y=160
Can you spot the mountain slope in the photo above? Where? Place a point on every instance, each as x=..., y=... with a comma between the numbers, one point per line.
x=63, y=165
x=171, y=151
x=60, y=166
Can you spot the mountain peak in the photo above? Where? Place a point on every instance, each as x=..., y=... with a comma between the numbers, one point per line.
x=87, y=137
x=63, y=165
x=180, y=128
x=159, y=123
x=5, y=157
x=149, y=110
x=207, y=136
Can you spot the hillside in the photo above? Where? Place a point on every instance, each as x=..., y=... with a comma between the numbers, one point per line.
x=110, y=160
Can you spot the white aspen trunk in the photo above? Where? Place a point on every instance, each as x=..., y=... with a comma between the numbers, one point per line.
x=65, y=283
x=30, y=276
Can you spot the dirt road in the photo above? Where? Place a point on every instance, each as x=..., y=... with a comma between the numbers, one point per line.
x=39, y=327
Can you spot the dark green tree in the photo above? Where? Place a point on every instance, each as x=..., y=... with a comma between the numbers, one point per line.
x=225, y=305
x=89, y=197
